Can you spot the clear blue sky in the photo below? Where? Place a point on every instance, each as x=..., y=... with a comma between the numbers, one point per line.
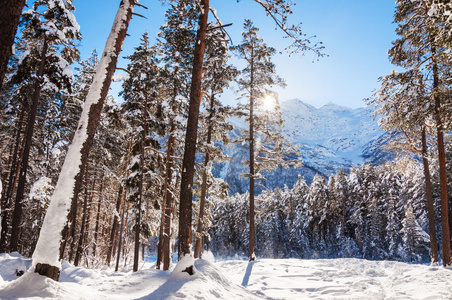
x=356, y=35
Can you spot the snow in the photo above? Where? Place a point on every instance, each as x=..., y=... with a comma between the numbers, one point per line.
x=343, y=278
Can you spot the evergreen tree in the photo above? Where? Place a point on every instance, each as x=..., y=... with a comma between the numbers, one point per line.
x=45, y=257
x=143, y=112
x=268, y=149
x=176, y=42
x=421, y=46
x=50, y=28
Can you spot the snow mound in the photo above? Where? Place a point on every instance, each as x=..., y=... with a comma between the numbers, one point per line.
x=208, y=282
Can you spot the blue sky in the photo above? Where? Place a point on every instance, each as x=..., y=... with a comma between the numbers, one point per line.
x=356, y=35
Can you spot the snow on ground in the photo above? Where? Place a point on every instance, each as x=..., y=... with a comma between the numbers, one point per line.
x=344, y=278
x=263, y=279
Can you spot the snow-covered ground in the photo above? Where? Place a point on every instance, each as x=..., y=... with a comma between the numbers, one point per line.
x=234, y=279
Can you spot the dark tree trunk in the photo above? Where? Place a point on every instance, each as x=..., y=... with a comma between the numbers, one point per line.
x=202, y=201
x=9, y=19
x=188, y=165
x=429, y=198
x=114, y=227
x=78, y=253
x=136, y=255
x=17, y=214
x=445, y=237
x=251, y=255
x=118, y=256
x=167, y=215
x=96, y=231
x=12, y=179
x=84, y=134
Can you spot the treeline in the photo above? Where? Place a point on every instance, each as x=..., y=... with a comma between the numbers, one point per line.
x=374, y=212
x=126, y=181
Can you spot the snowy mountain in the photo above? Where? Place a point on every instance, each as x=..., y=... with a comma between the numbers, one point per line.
x=330, y=138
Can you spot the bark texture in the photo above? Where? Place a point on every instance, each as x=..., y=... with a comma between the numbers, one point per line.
x=9, y=19
x=429, y=198
x=188, y=165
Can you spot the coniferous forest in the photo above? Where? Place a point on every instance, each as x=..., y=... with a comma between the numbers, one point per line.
x=98, y=181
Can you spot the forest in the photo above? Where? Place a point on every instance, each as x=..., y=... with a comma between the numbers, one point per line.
x=98, y=182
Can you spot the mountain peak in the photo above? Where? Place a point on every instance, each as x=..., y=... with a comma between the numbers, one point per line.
x=332, y=107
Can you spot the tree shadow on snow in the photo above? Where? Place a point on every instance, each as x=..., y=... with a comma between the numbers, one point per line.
x=169, y=289
x=246, y=278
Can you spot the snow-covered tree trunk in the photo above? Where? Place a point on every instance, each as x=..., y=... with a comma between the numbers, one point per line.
x=9, y=19
x=45, y=257
x=188, y=165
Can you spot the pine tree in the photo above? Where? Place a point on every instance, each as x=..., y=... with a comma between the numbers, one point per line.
x=422, y=49
x=413, y=235
x=45, y=257
x=279, y=11
x=143, y=112
x=176, y=42
x=54, y=27
x=214, y=126
x=267, y=147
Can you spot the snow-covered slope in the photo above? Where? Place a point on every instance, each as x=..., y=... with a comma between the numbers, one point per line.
x=330, y=137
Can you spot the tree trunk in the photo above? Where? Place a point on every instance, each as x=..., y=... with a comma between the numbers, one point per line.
x=188, y=165
x=114, y=227
x=12, y=178
x=17, y=214
x=445, y=237
x=96, y=231
x=9, y=19
x=202, y=201
x=72, y=171
x=78, y=253
x=429, y=198
x=120, y=238
x=251, y=255
x=136, y=254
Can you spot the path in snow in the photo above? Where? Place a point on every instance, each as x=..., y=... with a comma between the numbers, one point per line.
x=340, y=279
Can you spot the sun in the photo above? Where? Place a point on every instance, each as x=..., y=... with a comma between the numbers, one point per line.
x=268, y=102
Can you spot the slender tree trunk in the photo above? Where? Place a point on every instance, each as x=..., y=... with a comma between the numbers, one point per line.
x=114, y=227
x=17, y=214
x=120, y=234
x=251, y=255
x=188, y=165
x=169, y=201
x=78, y=253
x=12, y=178
x=429, y=198
x=143, y=245
x=9, y=20
x=445, y=237
x=136, y=255
x=202, y=201
x=96, y=231
x=70, y=177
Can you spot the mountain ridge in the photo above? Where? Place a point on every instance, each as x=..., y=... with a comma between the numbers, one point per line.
x=330, y=138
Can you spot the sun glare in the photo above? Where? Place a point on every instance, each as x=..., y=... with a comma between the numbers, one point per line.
x=268, y=102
